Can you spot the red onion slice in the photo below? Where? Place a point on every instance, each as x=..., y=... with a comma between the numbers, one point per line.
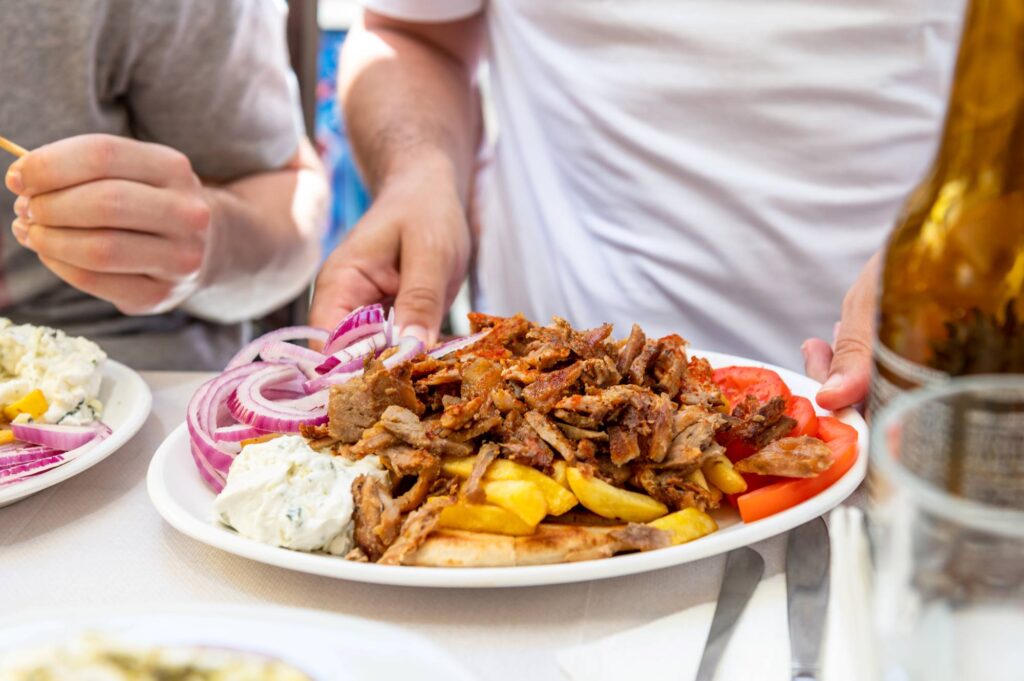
x=353, y=356
x=354, y=327
x=456, y=344
x=327, y=380
x=61, y=438
x=201, y=419
x=249, y=405
x=251, y=351
x=214, y=478
x=276, y=351
x=237, y=432
x=12, y=474
x=407, y=348
x=24, y=454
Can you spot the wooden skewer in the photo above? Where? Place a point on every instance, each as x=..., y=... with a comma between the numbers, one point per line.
x=10, y=147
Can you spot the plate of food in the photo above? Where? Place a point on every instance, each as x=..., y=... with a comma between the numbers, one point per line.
x=64, y=407
x=520, y=455
x=223, y=642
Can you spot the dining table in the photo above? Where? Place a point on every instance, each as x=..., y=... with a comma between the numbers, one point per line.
x=96, y=544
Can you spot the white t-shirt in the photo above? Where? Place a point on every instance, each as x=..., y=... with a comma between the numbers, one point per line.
x=717, y=168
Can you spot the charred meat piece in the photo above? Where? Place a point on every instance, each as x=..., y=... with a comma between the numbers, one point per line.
x=600, y=372
x=424, y=366
x=623, y=444
x=407, y=427
x=547, y=347
x=506, y=401
x=459, y=413
x=584, y=344
x=520, y=372
x=376, y=516
x=521, y=443
x=638, y=368
x=599, y=405
x=694, y=438
x=480, y=377
x=550, y=433
x=670, y=366
x=602, y=468
x=406, y=463
x=374, y=439
x=505, y=338
x=417, y=527
x=758, y=424
x=473, y=491
x=658, y=413
x=790, y=457
x=487, y=420
x=631, y=349
x=445, y=375
x=574, y=433
x=547, y=390
x=648, y=417
x=699, y=388
x=639, y=537
x=674, y=488
x=357, y=404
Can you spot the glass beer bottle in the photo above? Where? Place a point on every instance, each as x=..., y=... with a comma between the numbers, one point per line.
x=951, y=298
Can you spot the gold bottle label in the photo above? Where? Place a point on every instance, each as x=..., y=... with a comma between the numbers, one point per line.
x=972, y=446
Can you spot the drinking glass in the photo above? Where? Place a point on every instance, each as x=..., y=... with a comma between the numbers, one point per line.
x=947, y=533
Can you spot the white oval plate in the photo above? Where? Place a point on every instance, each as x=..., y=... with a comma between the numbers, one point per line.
x=126, y=403
x=185, y=502
x=325, y=646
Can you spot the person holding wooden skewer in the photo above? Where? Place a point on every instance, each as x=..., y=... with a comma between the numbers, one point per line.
x=168, y=167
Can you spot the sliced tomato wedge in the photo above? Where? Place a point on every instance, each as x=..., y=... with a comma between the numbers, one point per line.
x=738, y=382
x=830, y=428
x=754, y=481
x=771, y=499
x=802, y=411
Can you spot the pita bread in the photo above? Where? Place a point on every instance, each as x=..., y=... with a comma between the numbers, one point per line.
x=551, y=543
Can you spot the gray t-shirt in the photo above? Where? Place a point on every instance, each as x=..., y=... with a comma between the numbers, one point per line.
x=207, y=77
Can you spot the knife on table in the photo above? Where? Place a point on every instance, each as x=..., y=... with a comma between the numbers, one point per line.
x=807, y=567
x=743, y=570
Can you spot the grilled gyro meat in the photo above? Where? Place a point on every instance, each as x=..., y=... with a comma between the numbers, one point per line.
x=638, y=414
x=790, y=457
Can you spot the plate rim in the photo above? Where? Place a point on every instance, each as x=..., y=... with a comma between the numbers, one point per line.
x=121, y=375
x=717, y=543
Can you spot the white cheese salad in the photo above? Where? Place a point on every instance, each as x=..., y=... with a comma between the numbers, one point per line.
x=284, y=493
x=65, y=370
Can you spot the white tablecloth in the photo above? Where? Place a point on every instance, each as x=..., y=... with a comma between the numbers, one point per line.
x=95, y=541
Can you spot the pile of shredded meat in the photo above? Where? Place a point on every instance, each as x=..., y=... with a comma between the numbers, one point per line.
x=637, y=413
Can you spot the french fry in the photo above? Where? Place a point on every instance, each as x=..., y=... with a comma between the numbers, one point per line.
x=6, y=437
x=484, y=518
x=611, y=502
x=715, y=494
x=720, y=472
x=686, y=525
x=558, y=498
x=519, y=496
x=559, y=474
x=458, y=467
x=697, y=478
x=34, y=404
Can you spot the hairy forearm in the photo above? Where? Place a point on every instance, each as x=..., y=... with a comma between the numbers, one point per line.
x=265, y=233
x=410, y=104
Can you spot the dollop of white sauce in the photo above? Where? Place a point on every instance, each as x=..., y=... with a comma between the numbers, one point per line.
x=285, y=493
x=67, y=369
